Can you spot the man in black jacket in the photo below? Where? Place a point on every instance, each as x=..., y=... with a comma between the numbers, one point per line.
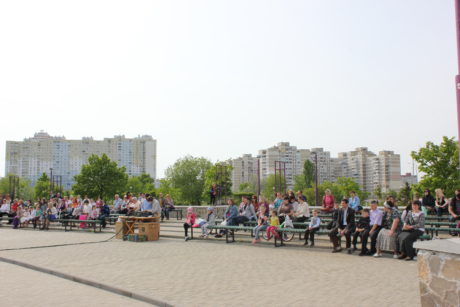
x=345, y=226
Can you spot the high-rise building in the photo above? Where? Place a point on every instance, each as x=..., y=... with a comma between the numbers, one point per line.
x=244, y=171
x=294, y=160
x=34, y=156
x=408, y=178
x=370, y=170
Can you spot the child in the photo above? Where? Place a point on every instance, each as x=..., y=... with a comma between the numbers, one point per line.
x=261, y=224
x=274, y=223
x=313, y=227
x=189, y=221
x=362, y=227
x=210, y=221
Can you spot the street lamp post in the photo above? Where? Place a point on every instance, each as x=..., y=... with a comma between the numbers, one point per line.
x=457, y=77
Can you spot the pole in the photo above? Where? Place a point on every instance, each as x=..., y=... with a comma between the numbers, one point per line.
x=316, y=180
x=51, y=181
x=258, y=178
x=457, y=77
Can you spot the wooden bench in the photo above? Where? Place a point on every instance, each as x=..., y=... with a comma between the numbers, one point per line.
x=178, y=212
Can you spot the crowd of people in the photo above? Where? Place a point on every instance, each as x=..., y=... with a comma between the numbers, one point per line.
x=387, y=230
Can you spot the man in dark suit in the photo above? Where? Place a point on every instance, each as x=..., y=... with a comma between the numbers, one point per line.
x=345, y=226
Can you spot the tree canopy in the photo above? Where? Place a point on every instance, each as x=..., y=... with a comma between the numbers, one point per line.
x=188, y=177
x=101, y=177
x=439, y=165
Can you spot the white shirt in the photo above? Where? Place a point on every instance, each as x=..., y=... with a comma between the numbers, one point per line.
x=5, y=208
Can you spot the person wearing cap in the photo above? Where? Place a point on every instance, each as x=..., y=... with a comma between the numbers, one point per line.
x=386, y=239
x=210, y=221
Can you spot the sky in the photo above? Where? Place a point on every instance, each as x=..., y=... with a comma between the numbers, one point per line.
x=222, y=78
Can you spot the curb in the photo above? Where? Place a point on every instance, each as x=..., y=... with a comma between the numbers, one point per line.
x=88, y=282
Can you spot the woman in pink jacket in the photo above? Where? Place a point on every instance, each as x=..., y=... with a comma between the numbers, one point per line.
x=189, y=221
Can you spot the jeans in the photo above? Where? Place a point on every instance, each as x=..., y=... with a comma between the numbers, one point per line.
x=165, y=213
x=102, y=218
x=258, y=229
x=440, y=211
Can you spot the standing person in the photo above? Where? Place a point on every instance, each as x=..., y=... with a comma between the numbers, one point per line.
x=213, y=194
x=189, y=221
x=362, y=228
x=429, y=202
x=414, y=227
x=262, y=224
x=328, y=201
x=313, y=227
x=454, y=209
x=345, y=227
x=441, y=205
x=386, y=240
x=376, y=217
x=355, y=202
x=303, y=211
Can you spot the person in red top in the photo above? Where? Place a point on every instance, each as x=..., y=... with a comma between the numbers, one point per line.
x=15, y=205
x=255, y=203
x=328, y=201
x=189, y=221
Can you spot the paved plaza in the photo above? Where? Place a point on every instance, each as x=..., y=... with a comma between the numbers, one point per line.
x=197, y=273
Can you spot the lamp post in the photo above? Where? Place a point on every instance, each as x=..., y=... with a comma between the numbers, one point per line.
x=457, y=77
x=316, y=179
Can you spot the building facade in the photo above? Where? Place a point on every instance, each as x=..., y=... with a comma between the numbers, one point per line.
x=244, y=170
x=34, y=156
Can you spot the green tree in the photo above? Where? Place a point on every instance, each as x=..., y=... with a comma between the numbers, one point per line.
x=187, y=175
x=268, y=186
x=42, y=187
x=24, y=191
x=440, y=166
x=101, y=177
x=140, y=184
x=223, y=179
x=308, y=173
x=247, y=187
x=378, y=192
x=166, y=187
x=299, y=183
x=405, y=193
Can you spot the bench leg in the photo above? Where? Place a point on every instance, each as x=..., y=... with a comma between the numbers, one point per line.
x=191, y=231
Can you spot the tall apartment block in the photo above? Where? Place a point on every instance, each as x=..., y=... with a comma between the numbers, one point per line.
x=34, y=156
x=244, y=170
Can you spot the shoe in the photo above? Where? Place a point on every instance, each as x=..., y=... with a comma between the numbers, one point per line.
x=312, y=245
x=376, y=255
x=354, y=248
x=186, y=239
x=409, y=259
x=306, y=243
x=402, y=257
x=205, y=236
x=362, y=254
x=349, y=251
x=338, y=250
x=218, y=236
x=395, y=256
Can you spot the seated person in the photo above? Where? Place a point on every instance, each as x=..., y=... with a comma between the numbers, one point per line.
x=303, y=211
x=345, y=226
x=361, y=228
x=313, y=227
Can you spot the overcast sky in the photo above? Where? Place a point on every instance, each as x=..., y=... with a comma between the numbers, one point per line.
x=222, y=78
